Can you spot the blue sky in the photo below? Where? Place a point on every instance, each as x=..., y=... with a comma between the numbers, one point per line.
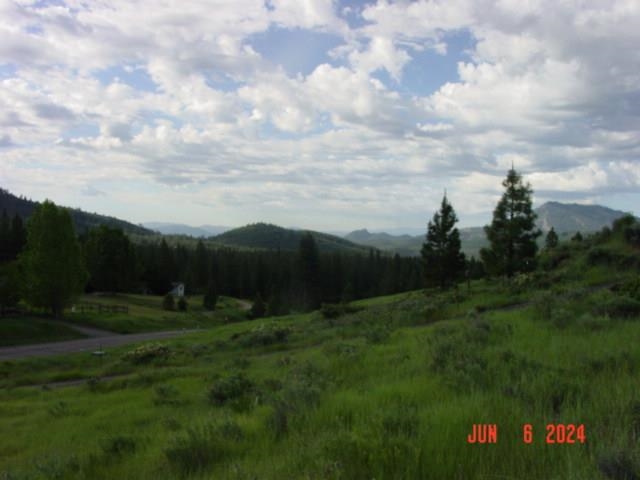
x=319, y=114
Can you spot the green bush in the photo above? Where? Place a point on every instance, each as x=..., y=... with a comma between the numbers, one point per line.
x=630, y=288
x=335, y=310
x=618, y=307
x=182, y=304
x=147, y=353
x=234, y=390
x=263, y=336
x=118, y=445
x=168, y=302
x=544, y=305
x=632, y=235
x=203, y=447
x=166, y=394
x=377, y=333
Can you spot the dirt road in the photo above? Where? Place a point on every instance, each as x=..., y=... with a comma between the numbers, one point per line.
x=82, y=345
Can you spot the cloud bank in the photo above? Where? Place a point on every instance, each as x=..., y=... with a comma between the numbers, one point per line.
x=317, y=113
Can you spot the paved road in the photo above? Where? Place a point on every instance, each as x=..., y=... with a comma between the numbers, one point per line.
x=82, y=345
x=91, y=332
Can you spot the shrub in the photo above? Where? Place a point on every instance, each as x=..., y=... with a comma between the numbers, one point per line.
x=624, y=222
x=182, y=304
x=618, y=465
x=618, y=306
x=462, y=365
x=202, y=447
x=630, y=288
x=334, y=310
x=168, y=302
x=147, y=353
x=166, y=394
x=264, y=335
x=632, y=235
x=118, y=445
x=544, y=305
x=59, y=409
x=234, y=390
x=377, y=333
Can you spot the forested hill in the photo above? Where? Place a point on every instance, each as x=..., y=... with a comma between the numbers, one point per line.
x=565, y=218
x=273, y=237
x=83, y=221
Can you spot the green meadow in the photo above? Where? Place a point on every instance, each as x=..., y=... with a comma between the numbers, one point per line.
x=384, y=388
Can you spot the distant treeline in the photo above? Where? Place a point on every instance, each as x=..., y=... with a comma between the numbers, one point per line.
x=284, y=280
x=299, y=279
x=83, y=221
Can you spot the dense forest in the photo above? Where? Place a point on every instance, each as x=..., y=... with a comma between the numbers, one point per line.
x=300, y=280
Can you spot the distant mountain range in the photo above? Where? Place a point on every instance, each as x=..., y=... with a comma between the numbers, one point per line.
x=181, y=229
x=82, y=220
x=565, y=218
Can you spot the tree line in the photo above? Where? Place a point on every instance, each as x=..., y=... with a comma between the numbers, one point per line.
x=52, y=265
x=46, y=264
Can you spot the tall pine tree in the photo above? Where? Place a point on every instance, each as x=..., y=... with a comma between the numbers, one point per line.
x=441, y=257
x=309, y=272
x=512, y=233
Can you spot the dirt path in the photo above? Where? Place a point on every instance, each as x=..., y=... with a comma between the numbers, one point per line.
x=83, y=345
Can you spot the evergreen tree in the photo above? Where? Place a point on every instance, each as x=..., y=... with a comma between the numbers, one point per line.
x=18, y=237
x=551, y=240
x=201, y=266
x=258, y=309
x=512, y=233
x=441, y=257
x=52, y=262
x=5, y=237
x=210, y=298
x=167, y=270
x=110, y=259
x=309, y=271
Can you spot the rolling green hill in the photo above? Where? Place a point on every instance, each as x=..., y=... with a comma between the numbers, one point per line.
x=388, y=388
x=82, y=220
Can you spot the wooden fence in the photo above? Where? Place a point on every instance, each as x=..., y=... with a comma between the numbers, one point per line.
x=92, y=307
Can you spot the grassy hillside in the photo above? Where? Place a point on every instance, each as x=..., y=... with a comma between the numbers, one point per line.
x=389, y=390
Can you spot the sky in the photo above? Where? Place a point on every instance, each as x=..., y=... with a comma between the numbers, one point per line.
x=318, y=114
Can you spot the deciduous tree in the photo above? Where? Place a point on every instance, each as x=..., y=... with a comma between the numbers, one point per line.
x=52, y=262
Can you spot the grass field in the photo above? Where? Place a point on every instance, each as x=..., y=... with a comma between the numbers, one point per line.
x=146, y=314
x=387, y=392
x=22, y=330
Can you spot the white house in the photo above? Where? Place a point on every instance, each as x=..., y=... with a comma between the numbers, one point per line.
x=177, y=289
